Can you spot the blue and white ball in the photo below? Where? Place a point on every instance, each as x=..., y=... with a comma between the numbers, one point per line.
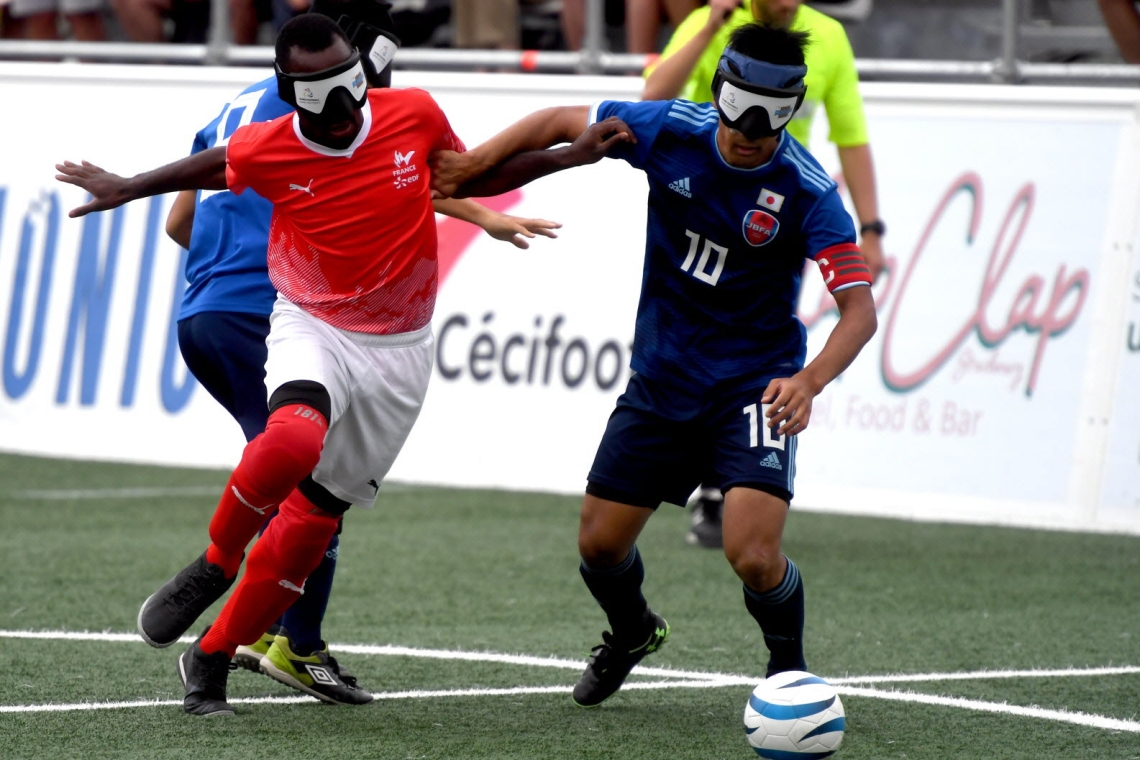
x=794, y=716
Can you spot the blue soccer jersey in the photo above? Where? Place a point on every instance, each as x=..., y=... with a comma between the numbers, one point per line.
x=725, y=247
x=226, y=268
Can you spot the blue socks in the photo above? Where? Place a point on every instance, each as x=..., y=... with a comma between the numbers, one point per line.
x=303, y=619
x=780, y=613
x=618, y=591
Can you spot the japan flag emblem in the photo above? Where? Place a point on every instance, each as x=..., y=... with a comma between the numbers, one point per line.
x=770, y=200
x=760, y=227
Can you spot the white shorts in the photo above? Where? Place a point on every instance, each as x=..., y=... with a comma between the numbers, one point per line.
x=377, y=385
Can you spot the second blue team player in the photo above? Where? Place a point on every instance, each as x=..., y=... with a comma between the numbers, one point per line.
x=721, y=390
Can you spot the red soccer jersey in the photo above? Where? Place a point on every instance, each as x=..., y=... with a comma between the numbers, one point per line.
x=353, y=237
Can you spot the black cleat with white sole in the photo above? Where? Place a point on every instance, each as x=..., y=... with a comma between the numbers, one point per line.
x=169, y=612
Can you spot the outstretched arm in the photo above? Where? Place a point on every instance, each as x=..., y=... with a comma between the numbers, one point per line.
x=672, y=70
x=205, y=171
x=537, y=131
x=590, y=145
x=511, y=229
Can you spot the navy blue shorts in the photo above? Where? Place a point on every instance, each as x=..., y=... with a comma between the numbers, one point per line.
x=226, y=352
x=655, y=449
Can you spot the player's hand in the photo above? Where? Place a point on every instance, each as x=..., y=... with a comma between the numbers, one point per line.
x=871, y=247
x=449, y=170
x=107, y=190
x=515, y=229
x=790, y=399
x=598, y=139
x=720, y=11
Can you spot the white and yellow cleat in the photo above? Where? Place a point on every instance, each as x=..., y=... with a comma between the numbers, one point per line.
x=318, y=674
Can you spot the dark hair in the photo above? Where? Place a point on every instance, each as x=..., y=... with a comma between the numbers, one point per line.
x=310, y=32
x=772, y=44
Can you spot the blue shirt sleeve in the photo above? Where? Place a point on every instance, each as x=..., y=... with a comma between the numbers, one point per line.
x=645, y=119
x=256, y=103
x=827, y=224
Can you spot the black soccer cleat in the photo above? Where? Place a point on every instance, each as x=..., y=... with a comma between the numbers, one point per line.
x=611, y=661
x=705, y=529
x=204, y=678
x=169, y=612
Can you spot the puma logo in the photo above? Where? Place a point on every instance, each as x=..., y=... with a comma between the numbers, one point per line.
x=304, y=188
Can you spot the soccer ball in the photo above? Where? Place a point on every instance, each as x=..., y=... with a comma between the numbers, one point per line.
x=794, y=715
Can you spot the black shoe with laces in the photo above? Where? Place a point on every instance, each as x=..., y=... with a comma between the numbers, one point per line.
x=204, y=678
x=705, y=529
x=169, y=612
x=611, y=661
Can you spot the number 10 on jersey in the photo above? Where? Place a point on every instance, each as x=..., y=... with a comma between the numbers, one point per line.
x=758, y=430
x=701, y=271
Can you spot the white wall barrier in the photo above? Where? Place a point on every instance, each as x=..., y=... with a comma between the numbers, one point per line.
x=1000, y=388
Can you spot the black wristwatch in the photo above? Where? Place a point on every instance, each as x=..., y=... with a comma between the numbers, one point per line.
x=875, y=226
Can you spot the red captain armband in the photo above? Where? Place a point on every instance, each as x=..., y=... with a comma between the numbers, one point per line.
x=842, y=267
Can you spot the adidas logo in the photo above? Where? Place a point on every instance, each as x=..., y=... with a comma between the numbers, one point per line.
x=681, y=186
x=771, y=461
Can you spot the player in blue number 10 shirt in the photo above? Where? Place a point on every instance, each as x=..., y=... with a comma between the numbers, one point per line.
x=720, y=391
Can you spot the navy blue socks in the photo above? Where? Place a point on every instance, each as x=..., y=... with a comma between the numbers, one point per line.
x=618, y=591
x=780, y=613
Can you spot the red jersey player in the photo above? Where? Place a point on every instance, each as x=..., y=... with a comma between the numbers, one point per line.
x=353, y=254
x=353, y=236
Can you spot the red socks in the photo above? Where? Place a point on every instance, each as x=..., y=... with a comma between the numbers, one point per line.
x=289, y=550
x=271, y=466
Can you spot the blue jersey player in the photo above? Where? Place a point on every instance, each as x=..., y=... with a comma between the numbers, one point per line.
x=720, y=391
x=224, y=320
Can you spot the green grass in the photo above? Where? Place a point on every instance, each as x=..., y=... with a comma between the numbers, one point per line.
x=489, y=571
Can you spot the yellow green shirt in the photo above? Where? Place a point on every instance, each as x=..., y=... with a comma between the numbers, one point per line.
x=831, y=77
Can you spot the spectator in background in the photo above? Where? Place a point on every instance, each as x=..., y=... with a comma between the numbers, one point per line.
x=573, y=23
x=486, y=24
x=643, y=21
x=1123, y=21
x=10, y=28
x=146, y=20
x=421, y=22
x=499, y=24
x=686, y=70
x=189, y=20
x=39, y=19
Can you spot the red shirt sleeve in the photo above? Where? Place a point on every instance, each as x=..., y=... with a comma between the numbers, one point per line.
x=446, y=139
x=239, y=151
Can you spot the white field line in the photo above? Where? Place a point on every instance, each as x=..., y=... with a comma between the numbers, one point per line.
x=87, y=494
x=983, y=675
x=565, y=664
x=1062, y=716
x=688, y=679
